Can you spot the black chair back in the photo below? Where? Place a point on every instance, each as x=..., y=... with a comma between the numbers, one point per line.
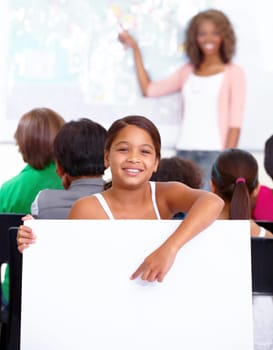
x=9, y=252
x=262, y=265
x=268, y=225
x=6, y=221
x=14, y=320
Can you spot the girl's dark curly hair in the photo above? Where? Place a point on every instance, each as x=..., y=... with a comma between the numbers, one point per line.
x=225, y=29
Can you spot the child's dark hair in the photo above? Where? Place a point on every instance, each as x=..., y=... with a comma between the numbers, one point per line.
x=225, y=29
x=139, y=121
x=268, y=156
x=235, y=176
x=178, y=169
x=79, y=148
x=35, y=134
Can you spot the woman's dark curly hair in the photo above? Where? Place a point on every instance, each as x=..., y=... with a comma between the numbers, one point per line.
x=225, y=29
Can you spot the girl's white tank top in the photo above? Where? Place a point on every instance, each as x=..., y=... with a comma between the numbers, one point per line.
x=108, y=212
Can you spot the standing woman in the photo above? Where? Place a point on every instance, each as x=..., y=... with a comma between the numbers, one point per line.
x=212, y=88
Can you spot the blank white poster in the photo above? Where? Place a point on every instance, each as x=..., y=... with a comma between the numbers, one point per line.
x=77, y=293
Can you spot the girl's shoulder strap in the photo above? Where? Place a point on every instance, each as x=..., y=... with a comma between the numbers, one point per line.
x=104, y=205
x=262, y=232
x=153, y=191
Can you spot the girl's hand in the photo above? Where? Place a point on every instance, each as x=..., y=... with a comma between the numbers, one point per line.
x=126, y=39
x=156, y=265
x=25, y=236
x=27, y=217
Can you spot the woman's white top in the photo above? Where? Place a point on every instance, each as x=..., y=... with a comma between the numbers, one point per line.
x=199, y=128
x=108, y=212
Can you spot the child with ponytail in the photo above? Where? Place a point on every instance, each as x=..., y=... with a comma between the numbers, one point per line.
x=234, y=177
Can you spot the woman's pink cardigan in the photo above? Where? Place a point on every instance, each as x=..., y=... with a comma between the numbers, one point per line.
x=231, y=98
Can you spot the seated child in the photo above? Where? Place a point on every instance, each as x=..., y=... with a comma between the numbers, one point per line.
x=181, y=170
x=234, y=177
x=263, y=207
x=78, y=149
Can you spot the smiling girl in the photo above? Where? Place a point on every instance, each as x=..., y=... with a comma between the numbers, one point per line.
x=132, y=151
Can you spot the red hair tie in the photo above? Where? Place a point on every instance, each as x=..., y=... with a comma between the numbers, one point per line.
x=240, y=179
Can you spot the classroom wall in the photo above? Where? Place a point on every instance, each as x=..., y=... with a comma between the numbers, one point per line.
x=65, y=55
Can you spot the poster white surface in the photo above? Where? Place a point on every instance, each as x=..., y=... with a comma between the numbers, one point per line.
x=77, y=293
